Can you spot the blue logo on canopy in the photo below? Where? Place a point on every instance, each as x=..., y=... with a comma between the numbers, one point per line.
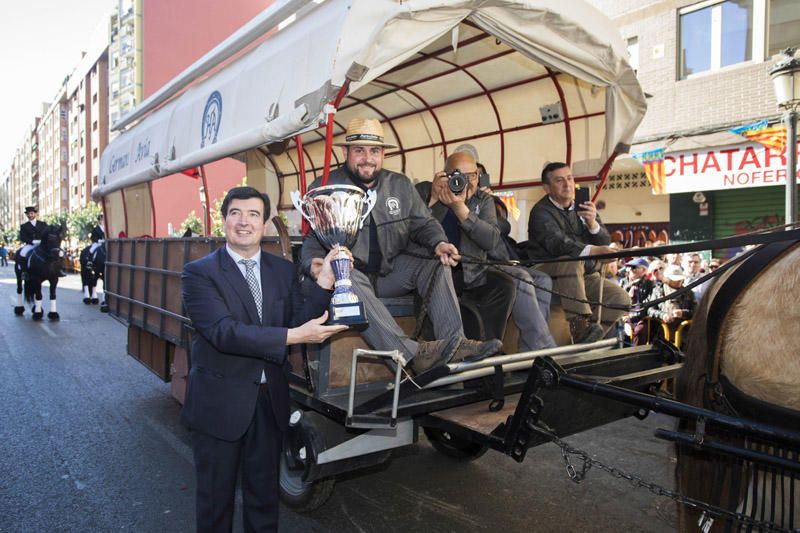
x=212, y=118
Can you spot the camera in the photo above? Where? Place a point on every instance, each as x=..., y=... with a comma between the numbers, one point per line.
x=456, y=181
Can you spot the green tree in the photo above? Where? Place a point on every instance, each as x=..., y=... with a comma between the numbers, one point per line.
x=193, y=223
x=82, y=221
x=58, y=219
x=217, y=224
x=10, y=236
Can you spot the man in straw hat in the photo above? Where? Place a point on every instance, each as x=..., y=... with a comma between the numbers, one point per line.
x=399, y=222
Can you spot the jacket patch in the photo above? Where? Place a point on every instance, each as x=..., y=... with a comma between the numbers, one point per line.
x=393, y=205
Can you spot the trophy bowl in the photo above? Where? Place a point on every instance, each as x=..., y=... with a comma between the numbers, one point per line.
x=336, y=214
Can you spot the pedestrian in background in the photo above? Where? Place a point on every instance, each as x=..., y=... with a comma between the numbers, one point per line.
x=3, y=255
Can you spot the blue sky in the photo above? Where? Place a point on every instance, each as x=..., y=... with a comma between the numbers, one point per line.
x=40, y=43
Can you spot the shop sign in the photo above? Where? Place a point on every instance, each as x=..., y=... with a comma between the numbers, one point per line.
x=725, y=167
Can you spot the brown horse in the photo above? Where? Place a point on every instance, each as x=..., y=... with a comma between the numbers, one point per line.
x=743, y=358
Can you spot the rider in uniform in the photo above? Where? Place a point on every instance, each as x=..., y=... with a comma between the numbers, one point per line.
x=98, y=235
x=30, y=233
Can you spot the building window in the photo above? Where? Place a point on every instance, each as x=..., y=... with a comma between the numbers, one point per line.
x=94, y=98
x=94, y=153
x=784, y=25
x=714, y=35
x=633, y=53
x=94, y=126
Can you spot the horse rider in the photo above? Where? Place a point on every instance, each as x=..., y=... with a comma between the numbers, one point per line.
x=30, y=234
x=98, y=236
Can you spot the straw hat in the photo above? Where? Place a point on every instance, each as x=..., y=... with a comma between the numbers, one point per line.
x=675, y=273
x=364, y=132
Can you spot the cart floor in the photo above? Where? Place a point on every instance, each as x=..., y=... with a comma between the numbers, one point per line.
x=477, y=416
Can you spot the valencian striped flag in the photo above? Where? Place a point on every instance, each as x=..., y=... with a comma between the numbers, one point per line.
x=653, y=161
x=510, y=200
x=773, y=138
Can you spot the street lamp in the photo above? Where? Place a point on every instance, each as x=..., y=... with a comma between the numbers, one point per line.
x=786, y=83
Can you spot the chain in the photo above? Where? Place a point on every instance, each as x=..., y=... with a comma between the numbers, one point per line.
x=709, y=510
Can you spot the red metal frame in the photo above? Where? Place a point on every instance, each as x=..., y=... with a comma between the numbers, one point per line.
x=124, y=210
x=207, y=214
x=604, y=175
x=567, y=127
x=152, y=208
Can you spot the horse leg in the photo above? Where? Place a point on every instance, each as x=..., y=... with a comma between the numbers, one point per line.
x=95, y=300
x=37, y=306
x=19, y=309
x=86, y=295
x=53, y=314
x=102, y=295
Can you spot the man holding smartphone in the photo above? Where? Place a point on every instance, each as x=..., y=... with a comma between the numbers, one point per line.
x=565, y=225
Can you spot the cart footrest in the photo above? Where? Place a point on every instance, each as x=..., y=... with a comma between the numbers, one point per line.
x=372, y=421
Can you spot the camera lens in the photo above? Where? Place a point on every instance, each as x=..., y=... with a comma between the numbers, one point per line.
x=456, y=181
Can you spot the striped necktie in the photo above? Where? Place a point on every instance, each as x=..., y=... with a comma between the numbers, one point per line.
x=252, y=282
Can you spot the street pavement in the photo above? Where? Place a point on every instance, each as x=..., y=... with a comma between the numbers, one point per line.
x=90, y=442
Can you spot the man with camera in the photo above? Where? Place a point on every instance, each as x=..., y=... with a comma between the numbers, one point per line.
x=562, y=226
x=468, y=218
x=398, y=223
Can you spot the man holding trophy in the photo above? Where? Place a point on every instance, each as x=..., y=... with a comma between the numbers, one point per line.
x=395, y=220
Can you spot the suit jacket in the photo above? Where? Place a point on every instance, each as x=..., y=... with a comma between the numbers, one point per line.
x=230, y=348
x=554, y=232
x=479, y=235
x=28, y=233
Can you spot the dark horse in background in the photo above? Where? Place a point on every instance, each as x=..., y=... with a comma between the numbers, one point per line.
x=44, y=264
x=93, y=266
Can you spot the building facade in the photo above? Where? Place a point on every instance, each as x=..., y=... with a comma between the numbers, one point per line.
x=87, y=110
x=124, y=59
x=54, y=157
x=703, y=66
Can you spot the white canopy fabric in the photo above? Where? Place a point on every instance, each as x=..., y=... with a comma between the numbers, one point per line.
x=438, y=73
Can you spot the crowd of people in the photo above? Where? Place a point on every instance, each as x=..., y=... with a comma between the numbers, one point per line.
x=650, y=278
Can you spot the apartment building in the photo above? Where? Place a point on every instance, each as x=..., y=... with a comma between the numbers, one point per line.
x=703, y=66
x=87, y=110
x=5, y=200
x=54, y=157
x=125, y=59
x=24, y=173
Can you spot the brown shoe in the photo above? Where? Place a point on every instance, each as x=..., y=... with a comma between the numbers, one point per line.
x=584, y=331
x=433, y=353
x=469, y=350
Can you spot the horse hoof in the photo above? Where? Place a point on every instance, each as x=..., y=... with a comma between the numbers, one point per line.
x=53, y=316
x=38, y=316
x=19, y=310
x=104, y=308
x=95, y=301
x=87, y=301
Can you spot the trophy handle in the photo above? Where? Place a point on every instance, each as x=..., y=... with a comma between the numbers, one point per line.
x=295, y=196
x=367, y=206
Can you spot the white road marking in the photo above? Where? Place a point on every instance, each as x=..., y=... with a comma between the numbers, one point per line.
x=49, y=331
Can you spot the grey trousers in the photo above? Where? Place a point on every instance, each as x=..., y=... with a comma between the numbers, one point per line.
x=534, y=333
x=569, y=279
x=408, y=274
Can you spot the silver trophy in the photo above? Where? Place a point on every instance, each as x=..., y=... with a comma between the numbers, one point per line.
x=336, y=213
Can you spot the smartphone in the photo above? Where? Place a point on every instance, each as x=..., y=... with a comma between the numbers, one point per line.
x=581, y=195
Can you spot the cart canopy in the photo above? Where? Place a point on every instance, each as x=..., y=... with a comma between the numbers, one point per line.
x=523, y=81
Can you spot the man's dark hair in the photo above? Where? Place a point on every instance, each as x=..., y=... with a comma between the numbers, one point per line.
x=550, y=167
x=244, y=193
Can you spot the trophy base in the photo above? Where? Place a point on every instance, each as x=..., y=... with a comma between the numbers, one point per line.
x=350, y=314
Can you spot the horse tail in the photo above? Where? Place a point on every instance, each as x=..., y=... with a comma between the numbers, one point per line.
x=27, y=289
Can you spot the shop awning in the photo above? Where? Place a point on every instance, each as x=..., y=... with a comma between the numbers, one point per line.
x=438, y=73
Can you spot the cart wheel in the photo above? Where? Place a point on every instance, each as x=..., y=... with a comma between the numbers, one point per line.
x=453, y=446
x=299, y=495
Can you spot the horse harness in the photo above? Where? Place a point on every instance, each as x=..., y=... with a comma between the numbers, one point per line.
x=719, y=392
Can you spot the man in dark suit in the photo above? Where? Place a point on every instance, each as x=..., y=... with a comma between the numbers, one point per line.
x=245, y=306
x=557, y=227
